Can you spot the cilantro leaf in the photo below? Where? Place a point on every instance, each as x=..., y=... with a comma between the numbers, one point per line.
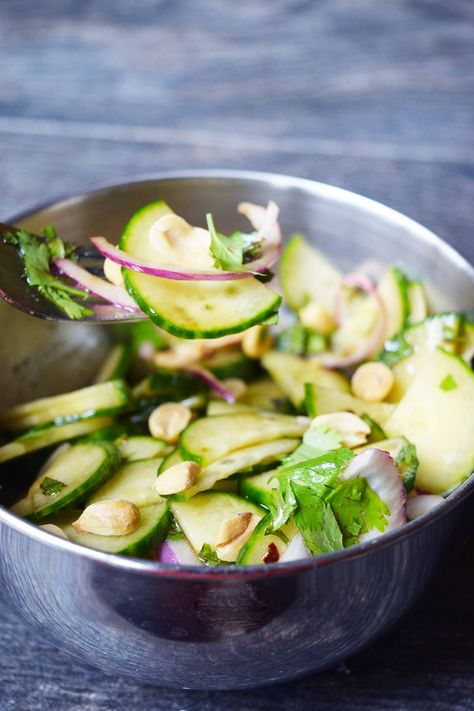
x=228, y=252
x=231, y=252
x=208, y=556
x=395, y=349
x=357, y=509
x=51, y=486
x=37, y=255
x=407, y=463
x=448, y=383
x=316, y=441
x=320, y=474
x=316, y=521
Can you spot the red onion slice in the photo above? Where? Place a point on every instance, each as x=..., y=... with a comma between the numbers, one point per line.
x=211, y=381
x=139, y=265
x=295, y=550
x=176, y=552
x=367, y=349
x=383, y=477
x=422, y=504
x=97, y=286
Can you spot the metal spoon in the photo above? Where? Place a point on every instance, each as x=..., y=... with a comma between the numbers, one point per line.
x=15, y=290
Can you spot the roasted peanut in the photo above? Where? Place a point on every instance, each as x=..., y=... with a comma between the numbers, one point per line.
x=177, y=478
x=233, y=533
x=315, y=316
x=372, y=381
x=113, y=517
x=167, y=421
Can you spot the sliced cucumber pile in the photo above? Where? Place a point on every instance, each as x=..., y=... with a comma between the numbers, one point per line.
x=265, y=445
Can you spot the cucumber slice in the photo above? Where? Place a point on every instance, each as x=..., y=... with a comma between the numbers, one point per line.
x=466, y=345
x=365, y=315
x=406, y=353
x=258, y=488
x=191, y=309
x=265, y=548
x=103, y=399
x=321, y=401
x=170, y=460
x=201, y=517
x=212, y=438
x=132, y=482
x=43, y=437
x=71, y=478
x=116, y=364
x=258, y=455
x=305, y=275
x=437, y=415
x=442, y=329
x=266, y=395
x=263, y=394
x=133, y=449
x=166, y=385
x=417, y=304
x=393, y=290
x=404, y=454
x=153, y=528
x=220, y=407
x=291, y=373
x=134, y=239
x=231, y=363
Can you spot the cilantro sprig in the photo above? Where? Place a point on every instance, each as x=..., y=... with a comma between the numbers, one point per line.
x=51, y=486
x=232, y=252
x=38, y=253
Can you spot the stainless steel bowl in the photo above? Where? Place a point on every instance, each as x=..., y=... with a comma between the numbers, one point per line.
x=207, y=628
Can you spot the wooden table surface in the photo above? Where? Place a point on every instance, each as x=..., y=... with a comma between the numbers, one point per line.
x=375, y=96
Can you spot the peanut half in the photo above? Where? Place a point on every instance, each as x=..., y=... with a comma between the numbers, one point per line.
x=351, y=428
x=233, y=533
x=168, y=421
x=113, y=517
x=372, y=381
x=177, y=478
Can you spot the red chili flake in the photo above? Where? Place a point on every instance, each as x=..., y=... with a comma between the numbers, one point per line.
x=272, y=555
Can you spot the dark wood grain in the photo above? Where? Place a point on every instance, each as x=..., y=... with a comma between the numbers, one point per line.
x=373, y=96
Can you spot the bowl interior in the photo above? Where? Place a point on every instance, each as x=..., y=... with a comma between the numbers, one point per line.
x=44, y=358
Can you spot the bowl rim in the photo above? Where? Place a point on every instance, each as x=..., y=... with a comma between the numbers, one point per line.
x=235, y=572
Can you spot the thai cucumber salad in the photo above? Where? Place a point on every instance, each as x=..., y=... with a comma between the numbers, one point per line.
x=214, y=436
